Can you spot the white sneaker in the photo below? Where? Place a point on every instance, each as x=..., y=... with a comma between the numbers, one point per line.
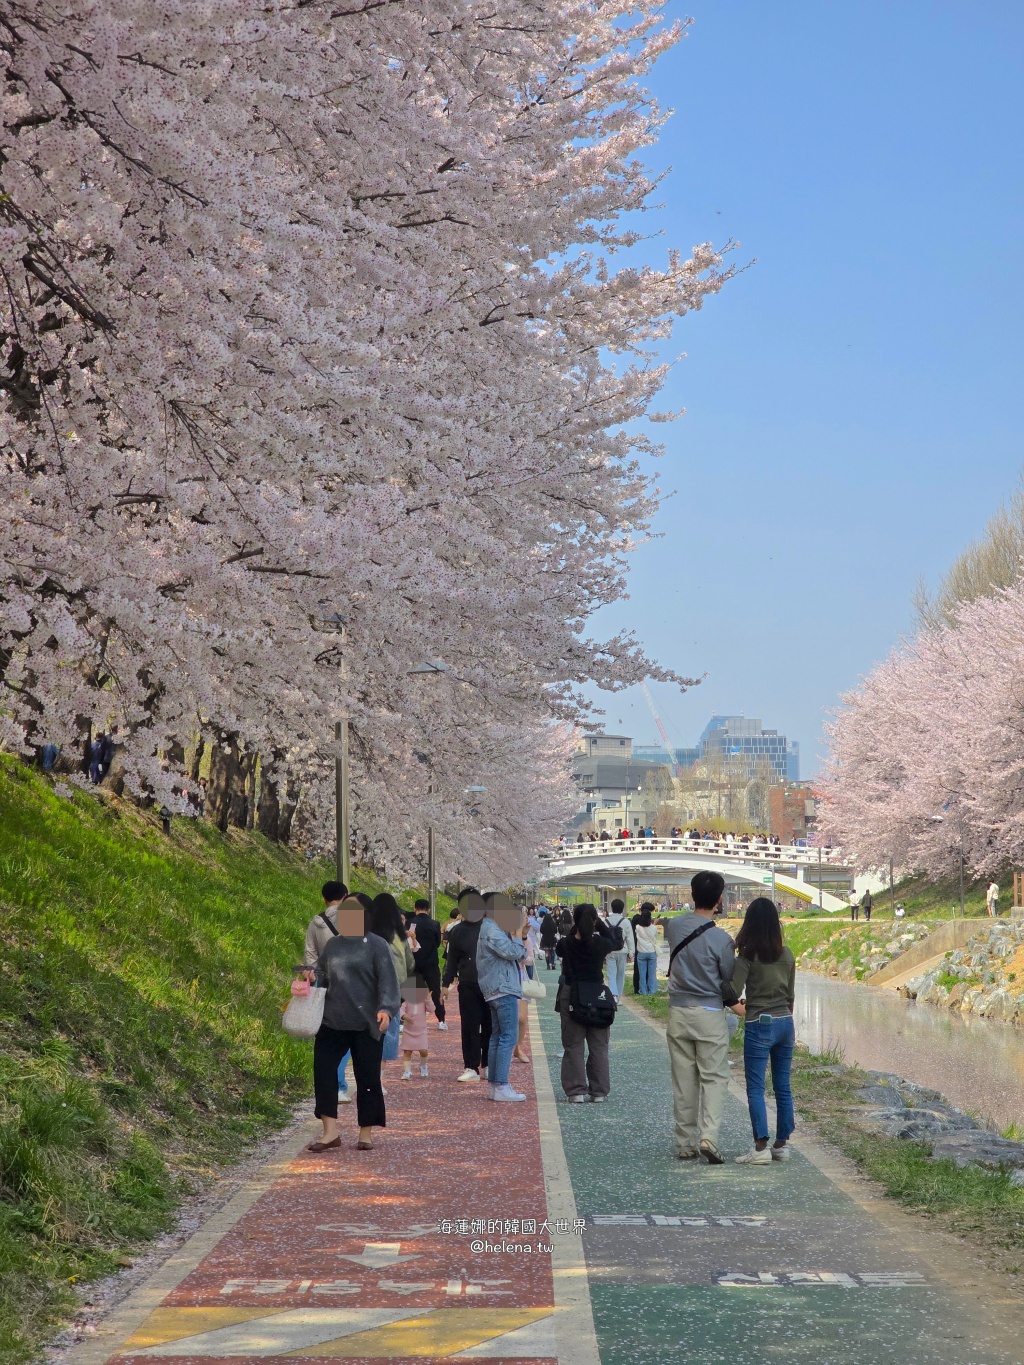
x=407, y=1076
x=781, y=1153
x=507, y=1095
x=423, y=1071
x=598, y=1099
x=383, y=1091
x=755, y=1158
x=483, y=1073
x=344, y=1097
x=442, y=1027
x=579, y=1099
x=468, y=1075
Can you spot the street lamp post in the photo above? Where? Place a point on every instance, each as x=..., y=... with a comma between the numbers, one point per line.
x=335, y=625
x=430, y=668
x=341, y=851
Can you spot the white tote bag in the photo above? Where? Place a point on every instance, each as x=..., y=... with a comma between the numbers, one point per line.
x=533, y=989
x=305, y=1013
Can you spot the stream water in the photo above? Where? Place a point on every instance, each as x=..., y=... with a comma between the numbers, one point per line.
x=977, y=1065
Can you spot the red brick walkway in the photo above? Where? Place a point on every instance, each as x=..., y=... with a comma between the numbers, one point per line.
x=398, y=1254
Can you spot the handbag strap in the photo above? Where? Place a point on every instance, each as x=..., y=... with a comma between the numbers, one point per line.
x=708, y=924
x=323, y=916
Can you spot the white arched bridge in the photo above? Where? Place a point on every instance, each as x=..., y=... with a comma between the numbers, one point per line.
x=672, y=862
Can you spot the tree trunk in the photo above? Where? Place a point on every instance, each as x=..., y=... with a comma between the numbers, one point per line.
x=270, y=805
x=240, y=801
x=197, y=760
x=225, y=779
x=289, y=801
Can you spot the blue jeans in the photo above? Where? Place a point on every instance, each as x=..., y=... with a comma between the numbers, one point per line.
x=504, y=1033
x=342, y=1083
x=391, y=1041
x=648, y=964
x=765, y=1038
x=616, y=973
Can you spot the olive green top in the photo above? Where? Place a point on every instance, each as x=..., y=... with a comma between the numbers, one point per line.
x=770, y=986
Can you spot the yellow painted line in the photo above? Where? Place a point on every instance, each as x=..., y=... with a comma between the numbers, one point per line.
x=171, y=1324
x=440, y=1333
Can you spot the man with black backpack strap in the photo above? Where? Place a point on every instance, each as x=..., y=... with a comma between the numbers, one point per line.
x=701, y=965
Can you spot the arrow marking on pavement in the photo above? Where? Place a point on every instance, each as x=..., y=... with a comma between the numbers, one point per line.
x=377, y=1255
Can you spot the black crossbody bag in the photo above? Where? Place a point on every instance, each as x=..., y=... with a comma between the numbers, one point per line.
x=708, y=924
x=591, y=1003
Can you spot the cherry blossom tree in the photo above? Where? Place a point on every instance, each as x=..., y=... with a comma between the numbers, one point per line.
x=927, y=755
x=310, y=312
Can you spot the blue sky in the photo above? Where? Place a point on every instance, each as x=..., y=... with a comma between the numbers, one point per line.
x=854, y=399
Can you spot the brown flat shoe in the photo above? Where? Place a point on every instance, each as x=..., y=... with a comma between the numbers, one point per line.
x=364, y=1146
x=324, y=1146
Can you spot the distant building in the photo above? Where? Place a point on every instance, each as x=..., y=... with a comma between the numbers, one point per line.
x=792, y=810
x=657, y=753
x=610, y=778
x=741, y=741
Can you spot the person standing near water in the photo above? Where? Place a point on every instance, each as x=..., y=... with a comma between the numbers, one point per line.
x=701, y=966
x=766, y=974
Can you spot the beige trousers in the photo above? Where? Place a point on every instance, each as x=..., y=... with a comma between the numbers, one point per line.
x=698, y=1050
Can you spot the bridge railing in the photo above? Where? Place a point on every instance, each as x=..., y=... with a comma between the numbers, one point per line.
x=753, y=852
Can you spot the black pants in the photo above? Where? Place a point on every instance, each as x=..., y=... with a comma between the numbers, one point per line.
x=549, y=956
x=329, y=1046
x=431, y=974
x=475, y=1015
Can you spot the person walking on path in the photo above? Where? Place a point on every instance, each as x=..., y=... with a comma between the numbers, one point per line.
x=854, y=907
x=416, y=1006
x=585, y=1078
x=319, y=932
x=388, y=923
x=548, y=938
x=633, y=924
x=702, y=964
x=474, y=1012
x=766, y=973
x=362, y=998
x=646, y=936
x=499, y=951
x=619, y=958
x=428, y=940
x=865, y=905
x=992, y=898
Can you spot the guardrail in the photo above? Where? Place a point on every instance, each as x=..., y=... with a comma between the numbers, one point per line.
x=752, y=852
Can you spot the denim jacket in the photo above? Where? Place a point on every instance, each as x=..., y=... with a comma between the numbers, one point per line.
x=497, y=958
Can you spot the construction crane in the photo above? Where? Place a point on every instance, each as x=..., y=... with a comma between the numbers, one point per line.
x=677, y=771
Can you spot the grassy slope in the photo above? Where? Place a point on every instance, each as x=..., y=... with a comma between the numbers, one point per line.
x=141, y=982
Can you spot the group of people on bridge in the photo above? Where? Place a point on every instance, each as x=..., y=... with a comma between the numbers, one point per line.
x=762, y=845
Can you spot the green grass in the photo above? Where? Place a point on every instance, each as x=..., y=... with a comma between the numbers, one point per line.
x=982, y=1206
x=141, y=984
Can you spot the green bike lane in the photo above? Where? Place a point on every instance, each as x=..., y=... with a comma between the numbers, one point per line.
x=788, y=1262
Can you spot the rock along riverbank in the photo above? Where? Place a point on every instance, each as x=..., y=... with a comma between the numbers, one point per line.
x=985, y=977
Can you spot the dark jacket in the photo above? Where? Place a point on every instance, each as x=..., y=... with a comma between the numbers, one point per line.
x=461, y=962
x=361, y=980
x=548, y=932
x=428, y=936
x=584, y=961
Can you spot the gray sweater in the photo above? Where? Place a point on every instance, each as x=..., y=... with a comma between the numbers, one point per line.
x=360, y=977
x=704, y=969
